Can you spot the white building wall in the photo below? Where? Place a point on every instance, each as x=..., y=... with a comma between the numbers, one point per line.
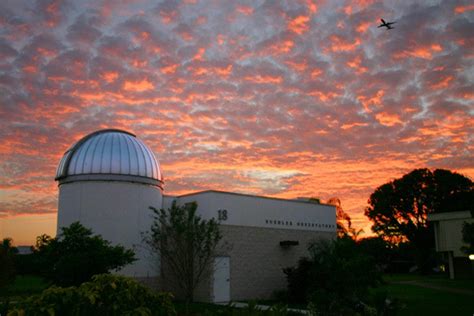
x=167, y=201
x=257, y=211
x=448, y=231
x=118, y=211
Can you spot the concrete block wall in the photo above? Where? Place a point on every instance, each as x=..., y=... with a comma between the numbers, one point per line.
x=257, y=260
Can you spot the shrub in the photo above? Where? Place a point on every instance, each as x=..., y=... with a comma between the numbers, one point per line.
x=105, y=295
x=76, y=255
x=298, y=279
x=336, y=279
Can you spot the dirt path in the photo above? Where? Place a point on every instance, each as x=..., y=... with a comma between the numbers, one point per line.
x=436, y=287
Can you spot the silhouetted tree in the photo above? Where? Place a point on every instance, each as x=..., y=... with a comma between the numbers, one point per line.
x=343, y=221
x=377, y=248
x=7, y=266
x=76, y=255
x=468, y=238
x=399, y=208
x=186, y=244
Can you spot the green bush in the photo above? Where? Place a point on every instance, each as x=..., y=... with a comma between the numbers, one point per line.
x=76, y=255
x=336, y=279
x=105, y=295
x=298, y=279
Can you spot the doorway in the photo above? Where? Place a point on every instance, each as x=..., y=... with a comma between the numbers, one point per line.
x=221, y=289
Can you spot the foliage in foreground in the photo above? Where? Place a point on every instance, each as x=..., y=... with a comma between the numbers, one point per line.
x=7, y=267
x=186, y=244
x=76, y=255
x=335, y=280
x=251, y=310
x=105, y=295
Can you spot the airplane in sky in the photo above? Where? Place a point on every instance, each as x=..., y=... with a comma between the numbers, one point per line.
x=386, y=24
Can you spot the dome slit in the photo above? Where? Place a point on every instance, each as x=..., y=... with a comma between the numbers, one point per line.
x=112, y=137
x=106, y=151
x=134, y=163
x=98, y=157
x=91, y=165
x=128, y=155
x=144, y=160
x=83, y=169
x=148, y=160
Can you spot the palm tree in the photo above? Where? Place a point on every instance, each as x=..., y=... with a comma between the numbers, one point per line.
x=343, y=221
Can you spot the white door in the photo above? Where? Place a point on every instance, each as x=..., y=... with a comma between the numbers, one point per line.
x=221, y=279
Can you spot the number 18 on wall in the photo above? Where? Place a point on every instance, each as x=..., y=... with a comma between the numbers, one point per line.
x=222, y=215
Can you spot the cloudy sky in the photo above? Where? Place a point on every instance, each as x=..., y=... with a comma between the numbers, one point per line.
x=286, y=99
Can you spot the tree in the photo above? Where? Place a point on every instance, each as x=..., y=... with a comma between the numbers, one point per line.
x=76, y=255
x=186, y=244
x=377, y=248
x=343, y=221
x=7, y=266
x=335, y=279
x=399, y=208
x=468, y=238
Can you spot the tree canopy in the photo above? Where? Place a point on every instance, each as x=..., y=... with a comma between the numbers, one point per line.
x=399, y=208
x=186, y=244
x=76, y=255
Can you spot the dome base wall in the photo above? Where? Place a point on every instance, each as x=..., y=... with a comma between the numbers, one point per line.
x=118, y=211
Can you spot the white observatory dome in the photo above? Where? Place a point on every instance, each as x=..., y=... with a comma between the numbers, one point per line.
x=107, y=181
x=111, y=155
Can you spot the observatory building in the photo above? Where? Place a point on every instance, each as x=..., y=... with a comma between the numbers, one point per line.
x=110, y=178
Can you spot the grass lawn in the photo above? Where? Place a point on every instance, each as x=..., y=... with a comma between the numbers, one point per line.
x=419, y=300
x=457, y=284
x=23, y=286
x=436, y=280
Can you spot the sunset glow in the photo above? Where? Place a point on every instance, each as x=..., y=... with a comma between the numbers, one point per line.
x=301, y=98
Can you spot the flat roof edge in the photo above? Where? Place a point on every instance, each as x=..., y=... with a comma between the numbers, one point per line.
x=449, y=216
x=252, y=195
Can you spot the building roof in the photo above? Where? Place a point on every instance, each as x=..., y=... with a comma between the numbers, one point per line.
x=446, y=216
x=297, y=200
x=110, y=154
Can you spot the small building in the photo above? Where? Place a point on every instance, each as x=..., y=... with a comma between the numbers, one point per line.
x=264, y=234
x=109, y=178
x=24, y=250
x=448, y=240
